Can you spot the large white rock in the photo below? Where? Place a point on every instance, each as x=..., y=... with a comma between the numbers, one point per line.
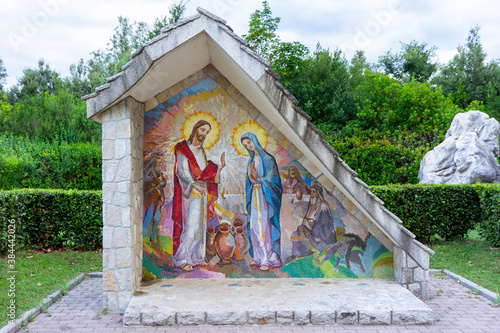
x=468, y=155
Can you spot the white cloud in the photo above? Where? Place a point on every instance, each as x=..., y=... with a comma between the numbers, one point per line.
x=76, y=28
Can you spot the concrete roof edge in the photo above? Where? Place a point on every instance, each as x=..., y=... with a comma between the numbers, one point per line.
x=210, y=15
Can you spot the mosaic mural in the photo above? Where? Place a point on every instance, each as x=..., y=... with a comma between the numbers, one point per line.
x=223, y=198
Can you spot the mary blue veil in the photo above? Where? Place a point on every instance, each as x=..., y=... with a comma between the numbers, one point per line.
x=272, y=188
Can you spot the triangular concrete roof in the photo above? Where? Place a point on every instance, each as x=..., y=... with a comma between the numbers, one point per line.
x=204, y=39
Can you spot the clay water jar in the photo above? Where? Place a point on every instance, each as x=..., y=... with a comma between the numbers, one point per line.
x=224, y=243
x=238, y=223
x=211, y=241
x=242, y=243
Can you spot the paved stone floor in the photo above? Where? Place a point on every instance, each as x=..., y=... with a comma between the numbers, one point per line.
x=455, y=311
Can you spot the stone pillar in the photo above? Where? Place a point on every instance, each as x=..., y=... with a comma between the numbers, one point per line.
x=410, y=274
x=122, y=195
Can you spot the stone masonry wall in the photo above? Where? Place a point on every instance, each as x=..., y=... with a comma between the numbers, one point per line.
x=410, y=274
x=122, y=160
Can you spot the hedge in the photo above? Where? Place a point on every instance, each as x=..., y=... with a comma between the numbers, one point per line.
x=57, y=218
x=51, y=219
x=26, y=163
x=449, y=211
x=489, y=228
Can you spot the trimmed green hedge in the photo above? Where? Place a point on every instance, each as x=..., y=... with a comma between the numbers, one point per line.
x=449, y=211
x=489, y=228
x=58, y=218
x=52, y=219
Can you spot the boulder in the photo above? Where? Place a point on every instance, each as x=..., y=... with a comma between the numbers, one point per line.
x=468, y=155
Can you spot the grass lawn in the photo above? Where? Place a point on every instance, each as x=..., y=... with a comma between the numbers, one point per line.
x=40, y=274
x=470, y=258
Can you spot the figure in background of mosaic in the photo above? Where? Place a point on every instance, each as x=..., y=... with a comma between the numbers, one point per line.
x=295, y=183
x=154, y=185
x=263, y=203
x=195, y=191
x=318, y=227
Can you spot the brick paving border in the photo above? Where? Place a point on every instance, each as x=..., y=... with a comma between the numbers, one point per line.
x=456, y=310
x=46, y=303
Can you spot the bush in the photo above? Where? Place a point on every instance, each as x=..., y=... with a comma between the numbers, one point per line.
x=489, y=227
x=449, y=211
x=52, y=219
x=47, y=117
x=394, y=127
x=379, y=159
x=26, y=163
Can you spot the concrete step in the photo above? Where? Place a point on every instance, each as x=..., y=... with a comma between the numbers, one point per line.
x=185, y=302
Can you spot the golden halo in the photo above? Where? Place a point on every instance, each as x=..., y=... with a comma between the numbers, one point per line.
x=212, y=137
x=250, y=126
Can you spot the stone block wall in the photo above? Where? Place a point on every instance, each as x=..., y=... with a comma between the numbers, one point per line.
x=122, y=160
x=410, y=274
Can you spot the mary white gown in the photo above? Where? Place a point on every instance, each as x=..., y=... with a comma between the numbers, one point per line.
x=260, y=227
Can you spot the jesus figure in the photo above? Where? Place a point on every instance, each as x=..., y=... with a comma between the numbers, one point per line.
x=195, y=191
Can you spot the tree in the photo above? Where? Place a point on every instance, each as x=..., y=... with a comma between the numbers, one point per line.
x=176, y=12
x=3, y=75
x=468, y=77
x=35, y=82
x=357, y=68
x=262, y=35
x=126, y=38
x=77, y=83
x=288, y=60
x=49, y=117
x=413, y=61
x=323, y=89
x=394, y=126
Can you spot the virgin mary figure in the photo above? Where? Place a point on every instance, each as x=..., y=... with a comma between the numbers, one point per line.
x=263, y=203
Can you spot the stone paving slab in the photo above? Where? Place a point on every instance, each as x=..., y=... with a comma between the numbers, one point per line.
x=456, y=310
x=271, y=301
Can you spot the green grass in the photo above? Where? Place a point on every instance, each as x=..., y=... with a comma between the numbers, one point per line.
x=39, y=275
x=471, y=258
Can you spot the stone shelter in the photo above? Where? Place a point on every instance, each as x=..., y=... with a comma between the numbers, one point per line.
x=210, y=169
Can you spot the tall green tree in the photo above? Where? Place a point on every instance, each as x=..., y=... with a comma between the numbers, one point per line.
x=176, y=11
x=320, y=82
x=35, y=82
x=3, y=75
x=468, y=76
x=415, y=60
x=262, y=35
x=288, y=61
x=77, y=83
x=357, y=68
x=394, y=127
x=49, y=117
x=127, y=37
x=324, y=90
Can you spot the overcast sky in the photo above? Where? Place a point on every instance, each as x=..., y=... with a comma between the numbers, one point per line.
x=63, y=31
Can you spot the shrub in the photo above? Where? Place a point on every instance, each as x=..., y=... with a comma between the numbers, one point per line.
x=26, y=163
x=381, y=160
x=489, y=227
x=395, y=125
x=449, y=211
x=49, y=117
x=52, y=219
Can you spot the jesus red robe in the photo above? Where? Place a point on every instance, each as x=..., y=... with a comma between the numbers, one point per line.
x=208, y=175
